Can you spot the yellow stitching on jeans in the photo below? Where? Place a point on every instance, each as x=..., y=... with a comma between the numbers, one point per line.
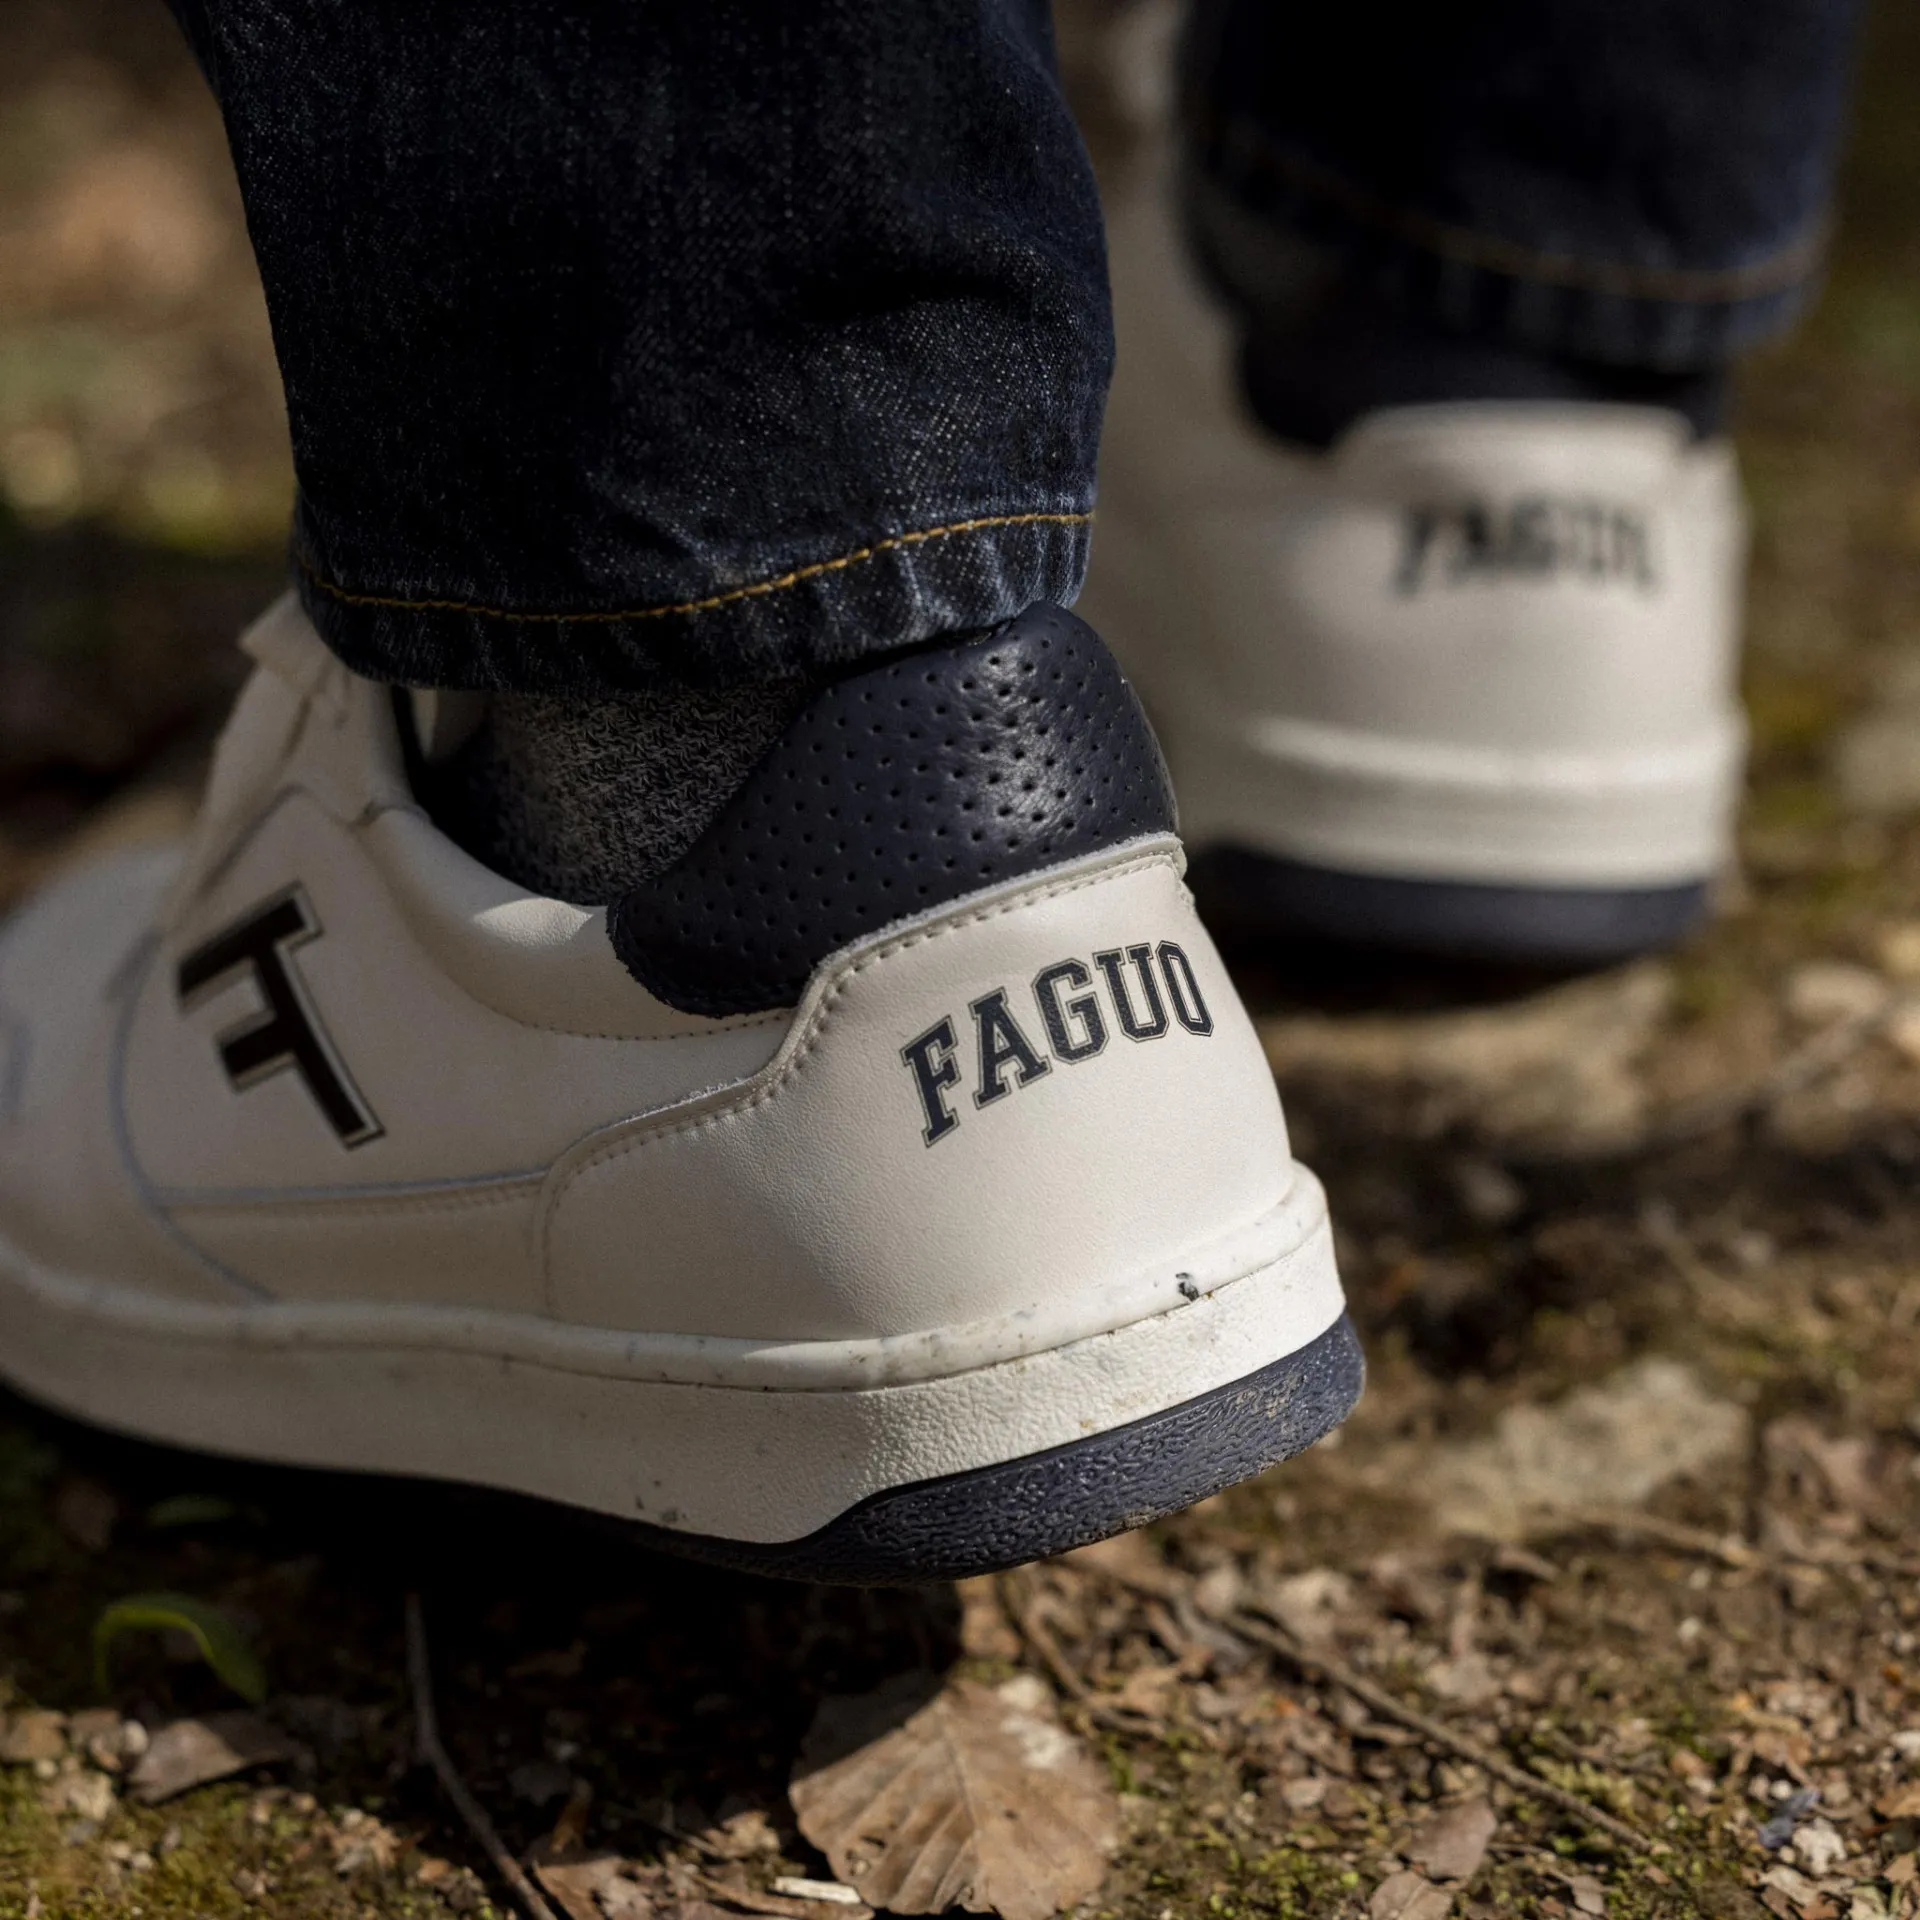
x=707, y=605
x=1779, y=273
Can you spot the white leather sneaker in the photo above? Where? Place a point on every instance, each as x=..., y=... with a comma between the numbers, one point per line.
x=929, y=1207
x=1464, y=682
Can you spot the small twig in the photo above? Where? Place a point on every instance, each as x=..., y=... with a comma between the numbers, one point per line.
x=1729, y=1552
x=1824, y=1053
x=1321, y=1670
x=1666, y=1533
x=1888, y=1563
x=1840, y=1559
x=1661, y=1227
x=1040, y=1638
x=426, y=1730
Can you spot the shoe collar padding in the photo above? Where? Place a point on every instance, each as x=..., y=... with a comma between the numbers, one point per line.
x=305, y=727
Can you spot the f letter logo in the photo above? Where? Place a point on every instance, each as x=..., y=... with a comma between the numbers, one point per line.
x=287, y=1034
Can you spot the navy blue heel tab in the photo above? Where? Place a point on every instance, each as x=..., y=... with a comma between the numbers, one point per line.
x=900, y=787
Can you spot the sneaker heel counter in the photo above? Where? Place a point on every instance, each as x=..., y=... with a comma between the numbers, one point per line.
x=1048, y=1092
x=901, y=786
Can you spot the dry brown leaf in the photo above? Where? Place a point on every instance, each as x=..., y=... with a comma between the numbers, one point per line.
x=1789, y=1892
x=1469, y=1681
x=1454, y=1842
x=624, y=1899
x=1839, y=1470
x=1311, y=1605
x=971, y=1796
x=574, y=1884
x=1589, y=1896
x=40, y=1735
x=1147, y=1690
x=1406, y=1896
x=1900, y=1803
x=189, y=1753
x=742, y=1835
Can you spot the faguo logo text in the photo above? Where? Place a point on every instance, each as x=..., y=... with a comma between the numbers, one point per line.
x=1536, y=536
x=1068, y=1015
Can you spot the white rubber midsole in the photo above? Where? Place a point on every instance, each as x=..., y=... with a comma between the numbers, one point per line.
x=585, y=1416
x=1375, y=804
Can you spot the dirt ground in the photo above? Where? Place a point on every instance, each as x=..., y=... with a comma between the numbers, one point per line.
x=1606, y=1602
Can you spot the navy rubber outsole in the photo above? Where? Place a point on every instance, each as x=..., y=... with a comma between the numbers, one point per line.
x=1258, y=896
x=1069, y=1496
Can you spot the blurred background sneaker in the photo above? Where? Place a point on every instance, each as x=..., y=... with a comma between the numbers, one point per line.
x=1441, y=638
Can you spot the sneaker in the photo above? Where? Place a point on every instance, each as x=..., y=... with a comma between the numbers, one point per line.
x=892, y=1189
x=1462, y=683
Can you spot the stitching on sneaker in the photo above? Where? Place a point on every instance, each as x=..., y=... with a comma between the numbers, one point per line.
x=794, y=578
x=763, y=1096
x=373, y=1206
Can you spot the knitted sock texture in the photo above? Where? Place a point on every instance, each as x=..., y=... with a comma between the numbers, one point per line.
x=580, y=798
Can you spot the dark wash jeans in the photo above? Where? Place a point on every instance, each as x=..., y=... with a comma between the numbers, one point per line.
x=698, y=340
x=1640, y=183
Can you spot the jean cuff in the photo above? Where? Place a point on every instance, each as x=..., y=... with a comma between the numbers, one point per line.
x=1266, y=218
x=957, y=572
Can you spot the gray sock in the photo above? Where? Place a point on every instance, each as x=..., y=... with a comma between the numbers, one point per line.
x=580, y=798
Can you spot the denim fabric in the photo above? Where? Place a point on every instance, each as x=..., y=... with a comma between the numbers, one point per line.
x=651, y=341
x=1639, y=182
x=641, y=340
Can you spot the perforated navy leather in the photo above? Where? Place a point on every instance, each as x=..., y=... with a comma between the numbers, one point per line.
x=899, y=788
